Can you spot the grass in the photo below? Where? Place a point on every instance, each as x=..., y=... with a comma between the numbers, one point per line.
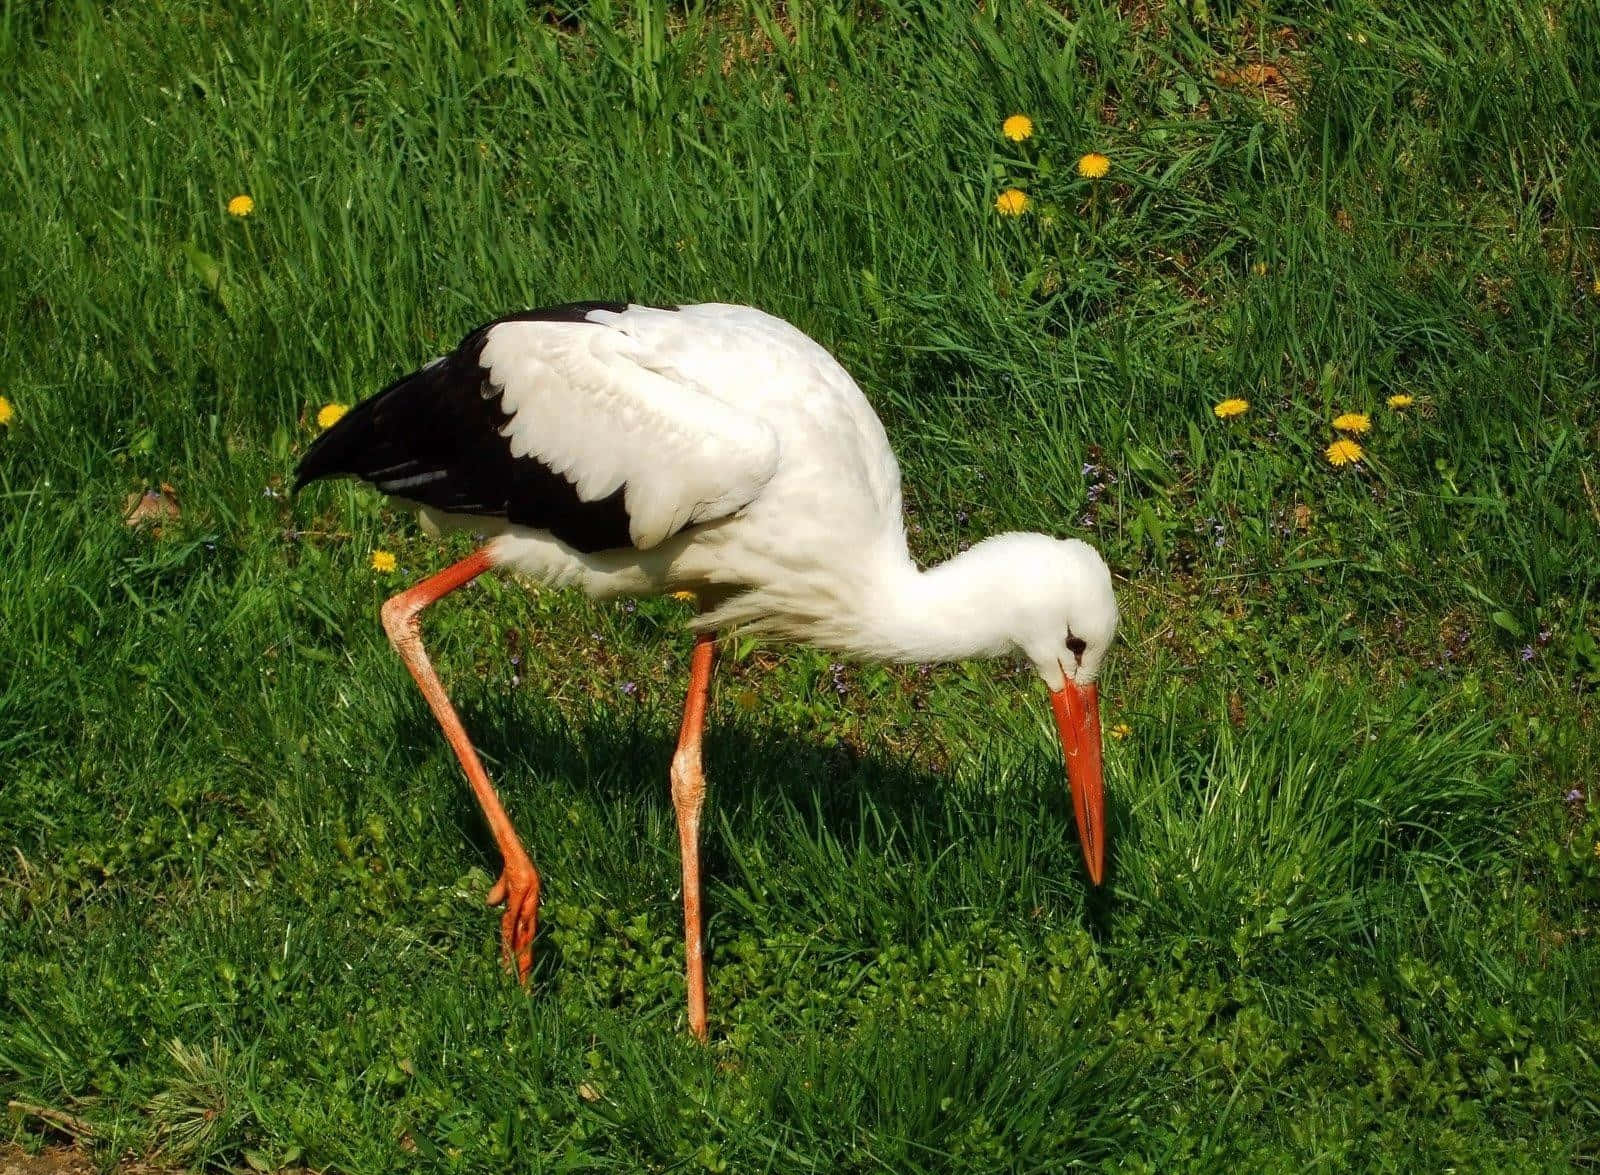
x=1352, y=910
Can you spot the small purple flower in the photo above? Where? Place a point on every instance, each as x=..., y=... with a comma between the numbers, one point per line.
x=1575, y=796
x=629, y=688
x=1527, y=653
x=1090, y=469
x=516, y=659
x=961, y=517
x=630, y=606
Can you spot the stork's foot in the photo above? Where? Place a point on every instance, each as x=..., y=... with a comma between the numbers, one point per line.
x=518, y=888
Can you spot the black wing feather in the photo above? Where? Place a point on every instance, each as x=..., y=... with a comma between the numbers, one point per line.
x=435, y=437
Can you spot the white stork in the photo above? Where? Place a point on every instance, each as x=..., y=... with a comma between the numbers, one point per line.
x=632, y=450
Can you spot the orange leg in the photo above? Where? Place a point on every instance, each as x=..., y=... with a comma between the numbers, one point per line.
x=688, y=793
x=518, y=886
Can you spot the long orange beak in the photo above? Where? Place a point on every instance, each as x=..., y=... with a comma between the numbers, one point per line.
x=1078, y=720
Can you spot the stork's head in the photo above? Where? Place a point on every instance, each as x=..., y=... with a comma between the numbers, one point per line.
x=1066, y=615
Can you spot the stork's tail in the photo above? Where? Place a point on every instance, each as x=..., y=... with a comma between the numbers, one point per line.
x=364, y=442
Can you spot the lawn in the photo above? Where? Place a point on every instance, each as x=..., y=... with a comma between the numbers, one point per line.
x=1351, y=913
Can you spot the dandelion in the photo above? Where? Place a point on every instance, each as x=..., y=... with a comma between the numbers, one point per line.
x=330, y=415
x=1093, y=166
x=1343, y=452
x=7, y=412
x=1401, y=400
x=1259, y=269
x=1011, y=202
x=1357, y=422
x=383, y=562
x=1597, y=848
x=1121, y=731
x=241, y=206
x=1231, y=407
x=686, y=597
x=1594, y=287
x=1017, y=128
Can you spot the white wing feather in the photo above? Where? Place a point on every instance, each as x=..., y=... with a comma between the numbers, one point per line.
x=585, y=400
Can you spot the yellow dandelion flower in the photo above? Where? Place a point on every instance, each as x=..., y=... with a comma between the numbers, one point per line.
x=1011, y=202
x=686, y=597
x=241, y=205
x=1343, y=452
x=331, y=414
x=383, y=562
x=1401, y=400
x=1121, y=731
x=1017, y=128
x=1230, y=408
x=7, y=412
x=1259, y=269
x=1595, y=287
x=1597, y=848
x=1356, y=422
x=1093, y=166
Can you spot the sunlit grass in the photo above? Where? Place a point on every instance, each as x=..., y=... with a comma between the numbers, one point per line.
x=1350, y=917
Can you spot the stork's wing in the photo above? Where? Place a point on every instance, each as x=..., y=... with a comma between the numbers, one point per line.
x=556, y=420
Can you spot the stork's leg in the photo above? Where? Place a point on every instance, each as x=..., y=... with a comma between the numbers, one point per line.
x=518, y=886
x=688, y=792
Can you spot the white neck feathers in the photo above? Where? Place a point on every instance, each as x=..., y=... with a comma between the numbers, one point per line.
x=953, y=611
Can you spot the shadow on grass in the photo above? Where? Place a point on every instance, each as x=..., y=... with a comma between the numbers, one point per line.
x=994, y=837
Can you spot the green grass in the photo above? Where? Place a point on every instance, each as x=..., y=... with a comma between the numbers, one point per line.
x=1351, y=918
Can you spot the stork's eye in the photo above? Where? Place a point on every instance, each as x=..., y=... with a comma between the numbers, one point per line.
x=1076, y=645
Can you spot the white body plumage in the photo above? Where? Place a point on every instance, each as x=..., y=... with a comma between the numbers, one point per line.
x=751, y=449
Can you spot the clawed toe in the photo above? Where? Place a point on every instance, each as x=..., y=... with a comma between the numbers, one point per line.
x=519, y=890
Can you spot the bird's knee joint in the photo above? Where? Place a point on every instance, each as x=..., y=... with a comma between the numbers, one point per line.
x=688, y=781
x=401, y=620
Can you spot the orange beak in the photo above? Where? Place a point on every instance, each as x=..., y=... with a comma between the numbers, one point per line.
x=1078, y=720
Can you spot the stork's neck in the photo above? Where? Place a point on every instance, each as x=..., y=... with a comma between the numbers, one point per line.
x=952, y=611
